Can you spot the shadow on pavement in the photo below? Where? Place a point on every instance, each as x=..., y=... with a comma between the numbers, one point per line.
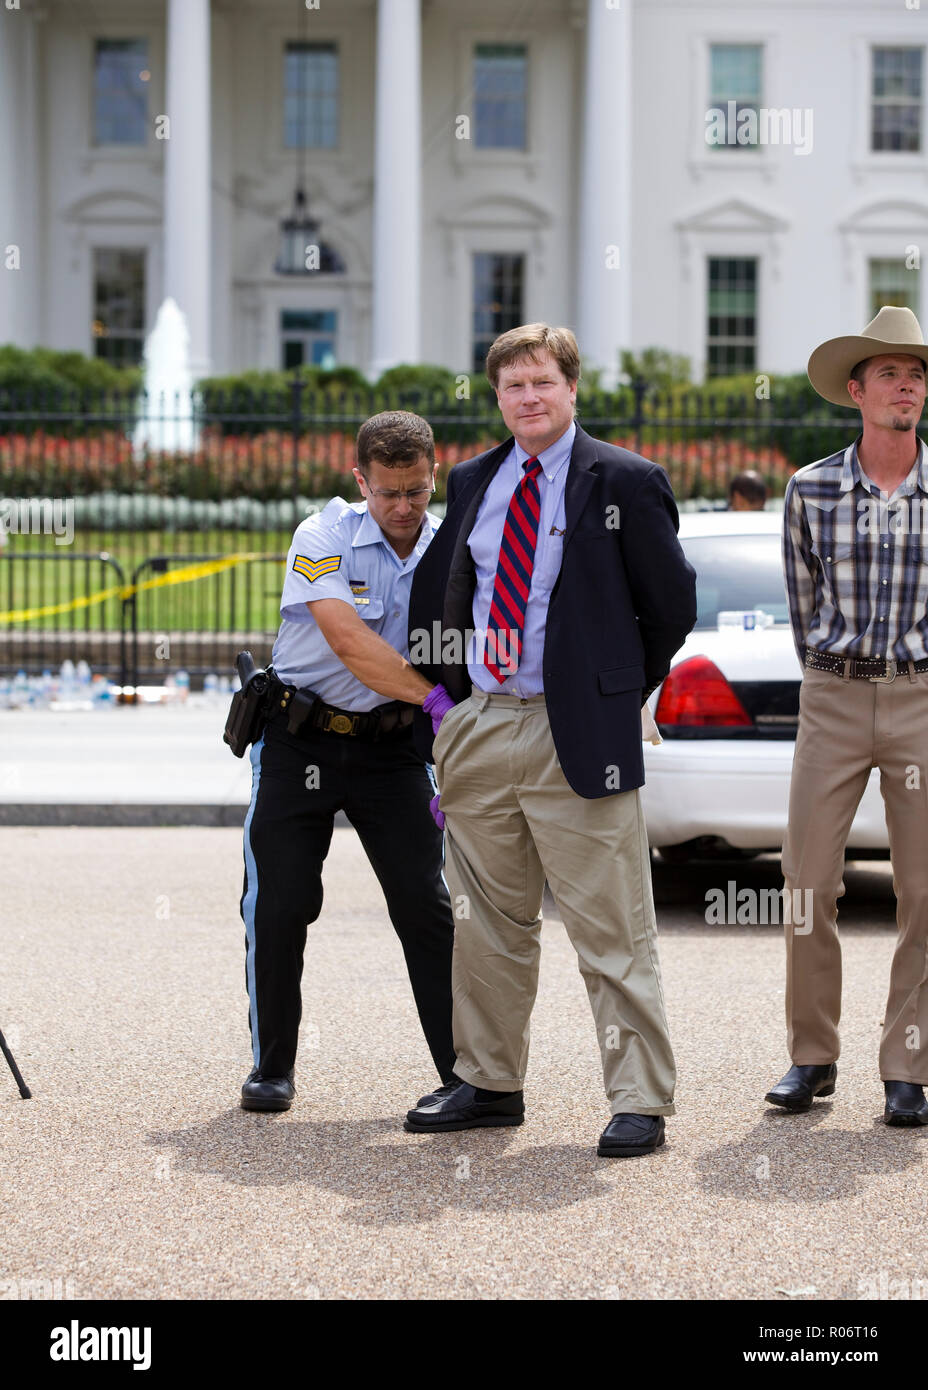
x=396, y=1183
x=785, y=1157
x=869, y=900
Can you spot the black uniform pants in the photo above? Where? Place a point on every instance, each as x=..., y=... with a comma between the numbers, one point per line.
x=298, y=784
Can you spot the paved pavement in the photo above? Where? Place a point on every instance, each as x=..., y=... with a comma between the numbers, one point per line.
x=129, y=765
x=136, y=1175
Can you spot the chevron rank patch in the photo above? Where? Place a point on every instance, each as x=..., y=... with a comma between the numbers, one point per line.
x=312, y=569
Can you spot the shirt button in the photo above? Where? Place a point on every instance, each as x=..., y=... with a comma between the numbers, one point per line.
x=396, y=611
x=886, y=545
x=885, y=581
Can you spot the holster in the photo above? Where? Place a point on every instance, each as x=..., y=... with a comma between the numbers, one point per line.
x=249, y=708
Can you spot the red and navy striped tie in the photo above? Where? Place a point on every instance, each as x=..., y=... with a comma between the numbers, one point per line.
x=514, y=576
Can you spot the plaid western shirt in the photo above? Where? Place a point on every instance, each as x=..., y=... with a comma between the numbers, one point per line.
x=856, y=561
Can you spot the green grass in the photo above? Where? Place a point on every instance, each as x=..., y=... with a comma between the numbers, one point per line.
x=246, y=597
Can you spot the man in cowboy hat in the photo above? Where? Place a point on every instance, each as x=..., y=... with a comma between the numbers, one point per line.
x=857, y=578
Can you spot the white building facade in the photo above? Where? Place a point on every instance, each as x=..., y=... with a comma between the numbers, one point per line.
x=466, y=168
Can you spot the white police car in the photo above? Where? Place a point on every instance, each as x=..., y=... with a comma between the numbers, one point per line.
x=728, y=710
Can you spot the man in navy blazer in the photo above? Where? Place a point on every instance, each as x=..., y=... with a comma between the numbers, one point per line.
x=547, y=608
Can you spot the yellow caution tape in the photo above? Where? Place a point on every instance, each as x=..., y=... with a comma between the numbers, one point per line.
x=124, y=591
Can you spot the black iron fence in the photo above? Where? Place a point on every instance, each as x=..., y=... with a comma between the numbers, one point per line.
x=146, y=536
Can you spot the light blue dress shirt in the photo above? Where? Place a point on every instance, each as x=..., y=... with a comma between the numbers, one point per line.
x=342, y=553
x=484, y=543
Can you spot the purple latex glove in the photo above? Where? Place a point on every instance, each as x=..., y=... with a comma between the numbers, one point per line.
x=437, y=704
x=437, y=816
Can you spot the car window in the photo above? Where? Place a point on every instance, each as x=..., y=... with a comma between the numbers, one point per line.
x=737, y=572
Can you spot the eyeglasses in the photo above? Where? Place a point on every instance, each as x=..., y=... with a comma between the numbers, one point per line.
x=388, y=494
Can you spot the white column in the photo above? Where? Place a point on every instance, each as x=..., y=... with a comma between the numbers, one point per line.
x=397, y=186
x=187, y=195
x=20, y=181
x=604, y=220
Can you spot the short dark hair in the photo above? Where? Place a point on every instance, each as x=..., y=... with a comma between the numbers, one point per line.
x=395, y=438
x=750, y=485
x=859, y=371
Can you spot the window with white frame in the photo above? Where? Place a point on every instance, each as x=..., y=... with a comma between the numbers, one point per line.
x=735, y=77
x=120, y=92
x=500, y=88
x=308, y=336
x=896, y=99
x=119, y=304
x=498, y=295
x=731, y=338
x=311, y=96
x=891, y=282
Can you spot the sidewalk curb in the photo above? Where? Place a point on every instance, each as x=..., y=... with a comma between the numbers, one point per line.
x=130, y=814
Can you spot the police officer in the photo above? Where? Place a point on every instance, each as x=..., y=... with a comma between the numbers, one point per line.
x=339, y=737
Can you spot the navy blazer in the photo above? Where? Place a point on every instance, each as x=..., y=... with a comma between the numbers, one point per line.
x=622, y=605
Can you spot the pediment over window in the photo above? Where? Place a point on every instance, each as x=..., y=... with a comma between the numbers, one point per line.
x=497, y=211
x=116, y=206
x=887, y=215
x=733, y=215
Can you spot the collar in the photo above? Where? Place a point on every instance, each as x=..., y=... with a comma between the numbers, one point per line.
x=555, y=457
x=852, y=474
x=369, y=533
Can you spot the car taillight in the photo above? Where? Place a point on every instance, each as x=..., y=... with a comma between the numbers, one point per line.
x=697, y=695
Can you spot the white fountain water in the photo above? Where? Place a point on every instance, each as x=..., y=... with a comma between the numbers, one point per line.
x=166, y=420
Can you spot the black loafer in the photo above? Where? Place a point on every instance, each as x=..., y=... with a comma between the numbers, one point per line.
x=625, y=1136
x=268, y=1092
x=801, y=1085
x=905, y=1103
x=436, y=1097
x=460, y=1110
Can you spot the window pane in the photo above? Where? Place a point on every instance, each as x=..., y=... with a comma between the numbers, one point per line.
x=500, y=80
x=119, y=304
x=735, y=71
x=731, y=338
x=892, y=283
x=737, y=572
x=311, y=96
x=497, y=303
x=896, y=106
x=308, y=335
x=120, y=92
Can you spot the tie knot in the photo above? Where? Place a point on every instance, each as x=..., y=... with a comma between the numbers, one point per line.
x=531, y=468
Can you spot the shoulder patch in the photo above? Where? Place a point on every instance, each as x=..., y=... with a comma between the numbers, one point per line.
x=312, y=569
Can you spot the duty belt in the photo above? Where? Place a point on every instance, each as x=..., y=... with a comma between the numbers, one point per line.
x=862, y=668
x=304, y=710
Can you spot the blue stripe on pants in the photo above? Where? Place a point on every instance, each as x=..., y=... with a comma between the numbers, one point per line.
x=250, y=900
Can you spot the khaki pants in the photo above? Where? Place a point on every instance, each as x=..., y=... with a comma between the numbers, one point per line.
x=845, y=729
x=511, y=821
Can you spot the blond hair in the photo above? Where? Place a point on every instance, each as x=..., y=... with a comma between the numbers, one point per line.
x=529, y=340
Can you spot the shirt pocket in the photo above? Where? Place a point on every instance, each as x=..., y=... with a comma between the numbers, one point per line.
x=369, y=607
x=837, y=563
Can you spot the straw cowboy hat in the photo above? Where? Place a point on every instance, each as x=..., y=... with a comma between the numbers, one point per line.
x=892, y=331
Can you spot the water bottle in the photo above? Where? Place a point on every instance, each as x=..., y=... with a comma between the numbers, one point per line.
x=19, y=695
x=183, y=685
x=210, y=685
x=66, y=680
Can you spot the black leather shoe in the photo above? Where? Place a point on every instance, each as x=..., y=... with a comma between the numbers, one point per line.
x=268, y=1092
x=460, y=1110
x=436, y=1097
x=800, y=1085
x=905, y=1103
x=628, y=1135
